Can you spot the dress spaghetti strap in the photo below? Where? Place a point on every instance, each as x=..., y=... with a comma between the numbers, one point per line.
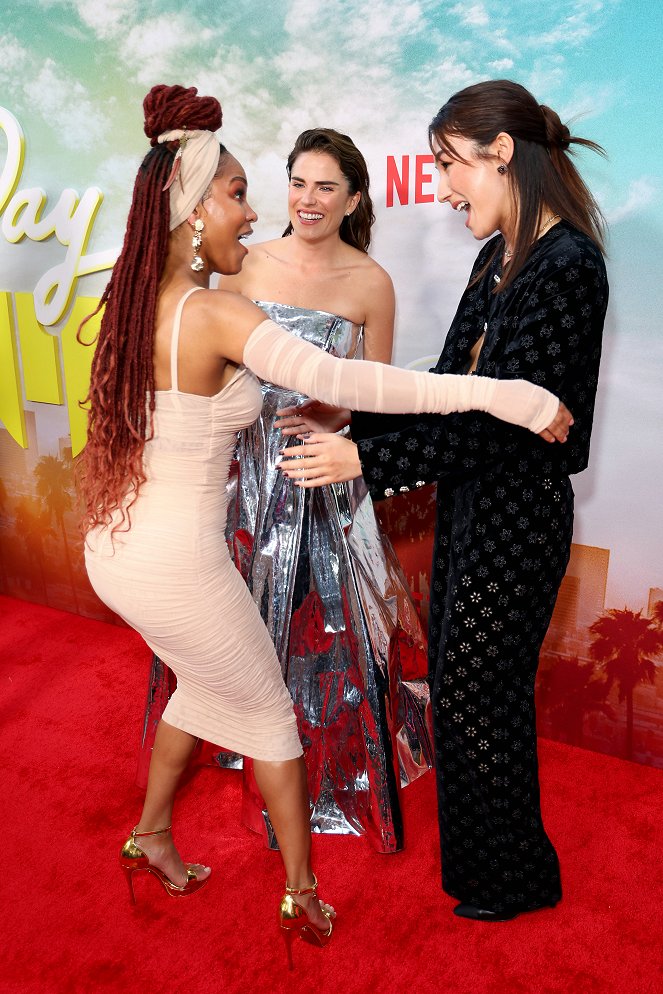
x=175, y=339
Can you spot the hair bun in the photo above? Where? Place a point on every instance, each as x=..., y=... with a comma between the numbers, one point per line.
x=557, y=134
x=170, y=107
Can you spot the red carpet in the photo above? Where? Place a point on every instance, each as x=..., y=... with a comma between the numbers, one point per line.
x=72, y=695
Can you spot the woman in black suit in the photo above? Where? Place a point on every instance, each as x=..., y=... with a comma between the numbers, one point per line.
x=534, y=308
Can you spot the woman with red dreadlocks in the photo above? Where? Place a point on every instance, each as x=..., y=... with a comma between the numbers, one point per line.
x=174, y=378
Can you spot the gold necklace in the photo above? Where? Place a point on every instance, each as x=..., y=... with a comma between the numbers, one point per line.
x=547, y=224
x=509, y=252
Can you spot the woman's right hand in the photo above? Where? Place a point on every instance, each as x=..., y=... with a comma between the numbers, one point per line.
x=558, y=429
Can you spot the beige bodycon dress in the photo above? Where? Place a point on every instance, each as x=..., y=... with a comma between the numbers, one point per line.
x=170, y=576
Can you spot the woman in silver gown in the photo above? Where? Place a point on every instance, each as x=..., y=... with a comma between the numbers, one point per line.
x=327, y=583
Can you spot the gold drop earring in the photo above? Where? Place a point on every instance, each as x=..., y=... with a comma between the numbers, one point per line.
x=197, y=263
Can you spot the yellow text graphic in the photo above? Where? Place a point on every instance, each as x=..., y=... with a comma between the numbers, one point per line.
x=56, y=368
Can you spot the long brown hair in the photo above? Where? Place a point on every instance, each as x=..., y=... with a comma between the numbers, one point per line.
x=541, y=173
x=122, y=389
x=356, y=227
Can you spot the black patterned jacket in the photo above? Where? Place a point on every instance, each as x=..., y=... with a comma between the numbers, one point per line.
x=546, y=328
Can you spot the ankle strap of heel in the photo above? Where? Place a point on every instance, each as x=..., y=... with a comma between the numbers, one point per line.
x=142, y=835
x=303, y=890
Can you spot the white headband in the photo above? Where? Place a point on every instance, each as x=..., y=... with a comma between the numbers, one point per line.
x=198, y=157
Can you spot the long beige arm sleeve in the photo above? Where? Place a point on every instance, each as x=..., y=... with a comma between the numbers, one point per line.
x=278, y=357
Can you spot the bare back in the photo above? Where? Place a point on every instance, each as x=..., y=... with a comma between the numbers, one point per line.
x=215, y=326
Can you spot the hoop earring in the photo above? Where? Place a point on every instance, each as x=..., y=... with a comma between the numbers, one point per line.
x=502, y=169
x=197, y=263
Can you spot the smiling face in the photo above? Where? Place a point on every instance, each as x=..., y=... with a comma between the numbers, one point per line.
x=227, y=216
x=476, y=187
x=318, y=196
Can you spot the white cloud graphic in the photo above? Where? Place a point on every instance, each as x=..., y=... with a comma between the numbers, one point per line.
x=362, y=68
x=44, y=89
x=474, y=16
x=163, y=45
x=640, y=194
x=14, y=64
x=54, y=95
x=501, y=65
x=585, y=19
x=107, y=19
x=584, y=105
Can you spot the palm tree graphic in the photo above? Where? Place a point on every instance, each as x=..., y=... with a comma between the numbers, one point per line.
x=624, y=643
x=54, y=484
x=32, y=524
x=569, y=691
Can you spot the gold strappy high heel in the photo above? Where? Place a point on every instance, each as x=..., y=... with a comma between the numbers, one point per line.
x=134, y=860
x=294, y=920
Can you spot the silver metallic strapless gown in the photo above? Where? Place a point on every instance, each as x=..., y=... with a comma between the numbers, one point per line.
x=335, y=601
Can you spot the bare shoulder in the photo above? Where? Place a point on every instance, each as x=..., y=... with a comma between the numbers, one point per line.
x=222, y=322
x=379, y=277
x=380, y=306
x=378, y=288
x=222, y=312
x=369, y=271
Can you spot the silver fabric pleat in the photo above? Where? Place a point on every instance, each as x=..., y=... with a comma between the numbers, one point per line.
x=333, y=596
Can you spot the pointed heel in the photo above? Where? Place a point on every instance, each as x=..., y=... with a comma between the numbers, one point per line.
x=128, y=876
x=288, y=936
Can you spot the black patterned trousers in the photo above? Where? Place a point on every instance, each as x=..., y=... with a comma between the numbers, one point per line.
x=502, y=546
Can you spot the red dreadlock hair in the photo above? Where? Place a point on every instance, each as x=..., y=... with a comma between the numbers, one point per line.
x=122, y=393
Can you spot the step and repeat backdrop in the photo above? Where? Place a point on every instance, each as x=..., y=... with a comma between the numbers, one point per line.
x=73, y=74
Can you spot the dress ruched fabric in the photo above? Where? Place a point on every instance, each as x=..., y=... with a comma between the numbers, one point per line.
x=171, y=577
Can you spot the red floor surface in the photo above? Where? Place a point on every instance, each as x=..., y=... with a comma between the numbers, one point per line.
x=72, y=696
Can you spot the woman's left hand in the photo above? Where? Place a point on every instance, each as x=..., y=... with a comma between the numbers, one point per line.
x=320, y=460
